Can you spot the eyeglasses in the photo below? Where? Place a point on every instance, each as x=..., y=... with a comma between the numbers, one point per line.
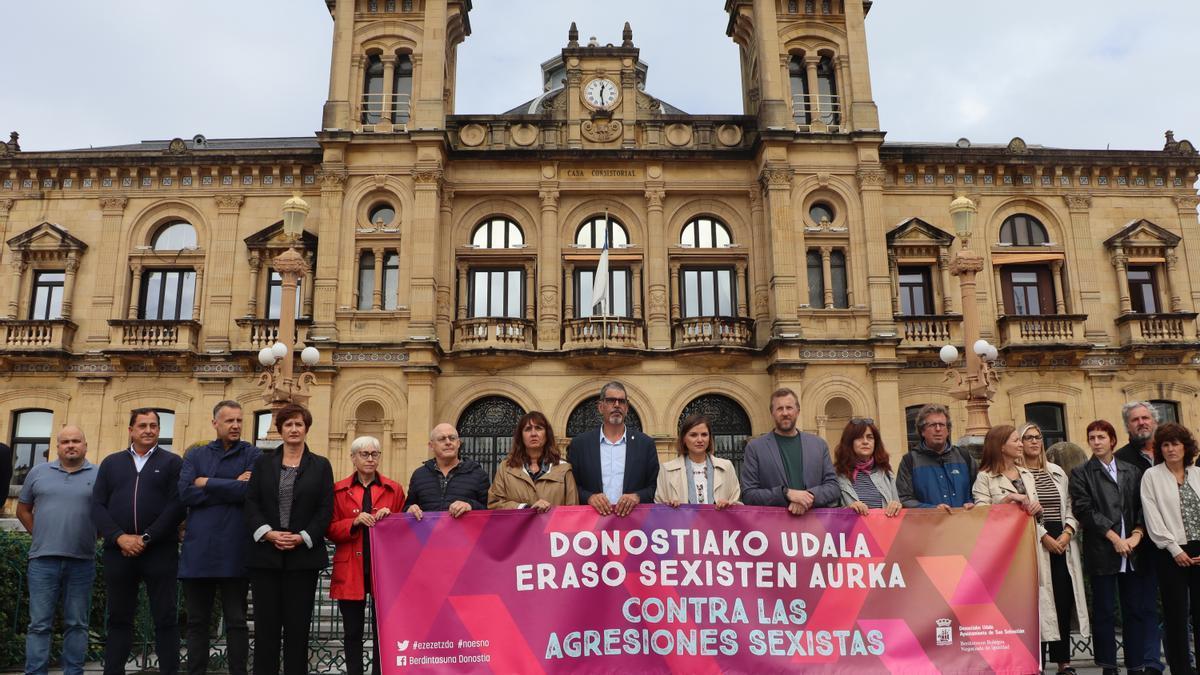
x=1031, y=437
x=615, y=401
x=861, y=420
x=370, y=455
x=443, y=439
x=935, y=425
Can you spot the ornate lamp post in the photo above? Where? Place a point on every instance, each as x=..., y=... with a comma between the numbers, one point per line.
x=280, y=386
x=977, y=385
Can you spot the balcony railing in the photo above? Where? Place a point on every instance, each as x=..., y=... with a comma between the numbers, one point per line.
x=259, y=333
x=493, y=333
x=52, y=335
x=714, y=331
x=593, y=333
x=373, y=112
x=1042, y=329
x=1157, y=328
x=135, y=335
x=930, y=330
x=806, y=113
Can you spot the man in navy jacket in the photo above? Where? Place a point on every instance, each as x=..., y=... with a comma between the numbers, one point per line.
x=615, y=467
x=212, y=485
x=136, y=509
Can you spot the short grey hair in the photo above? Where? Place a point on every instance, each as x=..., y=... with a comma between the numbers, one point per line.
x=932, y=409
x=613, y=385
x=362, y=442
x=1127, y=410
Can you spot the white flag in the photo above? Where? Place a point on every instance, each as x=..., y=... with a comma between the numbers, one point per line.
x=600, y=281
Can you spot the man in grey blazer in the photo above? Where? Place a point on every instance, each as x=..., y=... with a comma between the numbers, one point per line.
x=786, y=466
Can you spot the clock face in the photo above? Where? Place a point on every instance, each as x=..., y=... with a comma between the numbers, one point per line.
x=601, y=93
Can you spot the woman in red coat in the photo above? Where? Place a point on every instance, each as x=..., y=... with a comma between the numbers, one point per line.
x=359, y=501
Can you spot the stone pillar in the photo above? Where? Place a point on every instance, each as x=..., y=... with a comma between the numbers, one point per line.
x=784, y=241
x=889, y=415
x=530, y=285
x=18, y=267
x=997, y=273
x=861, y=107
x=760, y=257
x=306, y=284
x=944, y=273
x=336, y=113
x=329, y=254
x=772, y=112
x=549, y=266
x=676, y=293
x=658, y=321
x=743, y=309
x=894, y=273
x=569, y=294
x=827, y=275
x=424, y=252
x=69, y=285
x=90, y=413
x=197, y=295
x=255, y=260
x=1060, y=306
x=445, y=275
x=882, y=289
x=389, y=77
x=1189, y=227
x=420, y=416
x=463, y=289
x=1082, y=272
x=1174, y=283
x=845, y=93
x=377, y=293
x=104, y=280
x=1119, y=261
x=135, y=295
x=814, y=90
x=218, y=310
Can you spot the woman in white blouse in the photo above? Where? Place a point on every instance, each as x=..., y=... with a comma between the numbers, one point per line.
x=696, y=476
x=1171, y=506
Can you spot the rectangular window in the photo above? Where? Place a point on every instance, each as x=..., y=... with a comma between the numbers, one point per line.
x=30, y=441
x=1143, y=291
x=1028, y=290
x=168, y=295
x=47, y=296
x=619, y=298
x=816, y=280
x=708, y=292
x=391, y=280
x=366, y=280
x=1049, y=417
x=275, y=296
x=497, y=293
x=916, y=291
x=166, y=429
x=1168, y=411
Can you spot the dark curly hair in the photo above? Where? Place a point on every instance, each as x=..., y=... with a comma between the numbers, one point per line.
x=844, y=458
x=1178, y=433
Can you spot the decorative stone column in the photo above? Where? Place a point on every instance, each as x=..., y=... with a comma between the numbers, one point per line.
x=255, y=260
x=428, y=182
x=18, y=267
x=827, y=275
x=658, y=321
x=69, y=285
x=569, y=294
x=944, y=274
x=198, y=294
x=785, y=241
x=1120, y=261
x=135, y=294
x=329, y=254
x=112, y=212
x=530, y=285
x=814, y=90
x=1060, y=306
x=1174, y=283
x=218, y=303
x=549, y=266
x=743, y=309
x=377, y=292
x=463, y=290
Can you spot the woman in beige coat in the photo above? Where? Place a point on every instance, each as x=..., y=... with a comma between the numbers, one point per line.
x=696, y=476
x=534, y=475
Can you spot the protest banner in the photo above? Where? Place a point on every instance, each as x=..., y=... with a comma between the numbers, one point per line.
x=695, y=590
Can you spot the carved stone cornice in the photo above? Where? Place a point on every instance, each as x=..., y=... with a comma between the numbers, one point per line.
x=756, y=199
x=333, y=179
x=230, y=202
x=602, y=131
x=113, y=204
x=871, y=177
x=1079, y=202
x=549, y=199
x=447, y=202
x=775, y=178
x=654, y=198
x=1188, y=203
x=427, y=177
x=966, y=262
x=6, y=205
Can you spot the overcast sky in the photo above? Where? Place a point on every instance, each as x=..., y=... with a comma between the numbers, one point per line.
x=1065, y=73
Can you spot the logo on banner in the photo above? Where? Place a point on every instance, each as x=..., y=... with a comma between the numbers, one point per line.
x=945, y=637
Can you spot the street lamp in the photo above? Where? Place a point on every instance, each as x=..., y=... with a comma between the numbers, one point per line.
x=977, y=385
x=280, y=386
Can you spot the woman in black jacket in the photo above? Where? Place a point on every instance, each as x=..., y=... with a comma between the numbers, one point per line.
x=1106, y=500
x=447, y=482
x=289, y=503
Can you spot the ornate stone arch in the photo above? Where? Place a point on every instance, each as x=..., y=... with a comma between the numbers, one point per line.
x=177, y=401
x=812, y=37
x=590, y=387
x=390, y=398
x=748, y=398
x=455, y=402
x=369, y=188
x=467, y=218
x=715, y=207
x=1070, y=397
x=388, y=36
x=1145, y=391
x=828, y=387
x=1046, y=214
x=570, y=220
x=813, y=187
x=149, y=219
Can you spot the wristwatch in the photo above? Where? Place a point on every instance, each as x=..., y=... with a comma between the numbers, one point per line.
x=146, y=538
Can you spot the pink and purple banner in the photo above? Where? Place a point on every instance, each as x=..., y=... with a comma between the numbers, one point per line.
x=695, y=590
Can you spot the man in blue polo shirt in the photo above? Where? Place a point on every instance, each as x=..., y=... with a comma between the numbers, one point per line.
x=55, y=507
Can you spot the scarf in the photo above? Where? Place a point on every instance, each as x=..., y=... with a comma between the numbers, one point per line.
x=862, y=466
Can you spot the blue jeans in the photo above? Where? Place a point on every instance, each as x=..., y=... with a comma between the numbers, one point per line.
x=1139, y=613
x=52, y=578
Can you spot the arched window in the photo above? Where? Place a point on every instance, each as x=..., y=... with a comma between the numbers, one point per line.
x=382, y=214
x=1050, y=417
x=166, y=428
x=366, y=280
x=372, y=108
x=586, y=417
x=827, y=84
x=705, y=233
x=799, y=80
x=1023, y=230
x=486, y=429
x=30, y=442
x=593, y=233
x=498, y=233
x=730, y=425
x=175, y=236
x=402, y=83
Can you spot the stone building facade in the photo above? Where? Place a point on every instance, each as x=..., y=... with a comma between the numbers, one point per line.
x=453, y=256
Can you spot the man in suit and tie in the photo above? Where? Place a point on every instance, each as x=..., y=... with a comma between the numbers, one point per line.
x=615, y=468
x=788, y=467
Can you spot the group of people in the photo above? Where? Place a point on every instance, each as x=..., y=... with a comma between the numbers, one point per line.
x=259, y=520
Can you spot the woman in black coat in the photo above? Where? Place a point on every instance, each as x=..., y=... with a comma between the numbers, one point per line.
x=447, y=482
x=289, y=503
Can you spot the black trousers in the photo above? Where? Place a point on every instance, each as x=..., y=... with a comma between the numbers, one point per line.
x=156, y=567
x=283, y=604
x=1179, y=587
x=1059, y=651
x=353, y=618
x=199, y=595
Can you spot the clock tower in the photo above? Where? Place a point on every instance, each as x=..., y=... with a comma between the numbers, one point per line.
x=602, y=86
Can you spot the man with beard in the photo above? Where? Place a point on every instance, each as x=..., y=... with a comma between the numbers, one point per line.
x=615, y=468
x=936, y=473
x=1141, y=421
x=788, y=467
